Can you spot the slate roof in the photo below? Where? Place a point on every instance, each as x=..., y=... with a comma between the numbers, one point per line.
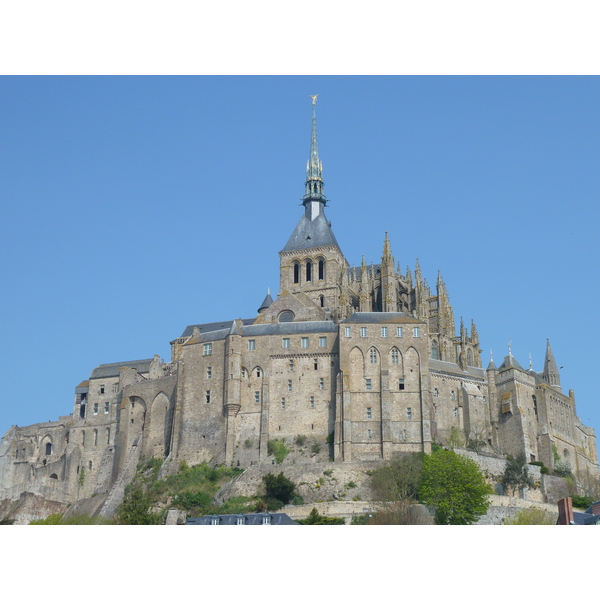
x=511, y=362
x=311, y=234
x=112, y=369
x=381, y=317
x=207, y=327
x=249, y=519
x=290, y=328
x=454, y=369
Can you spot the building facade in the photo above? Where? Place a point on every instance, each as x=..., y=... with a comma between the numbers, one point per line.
x=361, y=363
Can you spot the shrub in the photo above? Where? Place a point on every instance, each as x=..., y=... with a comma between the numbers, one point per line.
x=278, y=487
x=301, y=440
x=582, y=501
x=316, y=519
x=532, y=516
x=402, y=513
x=316, y=448
x=400, y=480
x=135, y=509
x=278, y=449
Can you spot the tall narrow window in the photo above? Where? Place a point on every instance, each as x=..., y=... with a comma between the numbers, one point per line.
x=308, y=271
x=95, y=437
x=108, y=435
x=207, y=349
x=208, y=372
x=321, y=383
x=289, y=385
x=416, y=332
x=373, y=355
x=368, y=384
x=257, y=397
x=395, y=356
x=283, y=403
x=322, y=301
x=399, y=331
x=304, y=342
x=102, y=389
x=312, y=401
x=363, y=332
x=347, y=331
x=48, y=449
x=369, y=413
x=296, y=273
x=291, y=366
x=316, y=364
x=321, y=270
x=409, y=413
x=401, y=384
x=96, y=408
x=384, y=332
x=207, y=396
x=251, y=344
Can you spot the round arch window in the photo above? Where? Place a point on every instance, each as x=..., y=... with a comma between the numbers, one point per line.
x=286, y=316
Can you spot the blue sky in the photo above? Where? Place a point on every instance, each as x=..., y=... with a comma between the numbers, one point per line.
x=134, y=206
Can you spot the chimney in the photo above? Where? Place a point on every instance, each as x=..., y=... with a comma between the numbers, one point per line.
x=565, y=511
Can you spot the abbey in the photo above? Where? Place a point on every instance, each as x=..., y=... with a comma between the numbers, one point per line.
x=362, y=363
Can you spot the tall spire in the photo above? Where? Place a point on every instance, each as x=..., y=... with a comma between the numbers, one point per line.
x=314, y=169
x=551, y=373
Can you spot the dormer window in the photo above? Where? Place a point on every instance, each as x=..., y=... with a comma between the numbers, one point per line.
x=214, y=520
x=266, y=519
x=240, y=520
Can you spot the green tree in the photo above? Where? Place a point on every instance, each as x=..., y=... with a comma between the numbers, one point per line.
x=516, y=475
x=454, y=486
x=400, y=480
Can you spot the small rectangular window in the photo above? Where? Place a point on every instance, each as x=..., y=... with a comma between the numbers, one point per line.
x=401, y=384
x=207, y=349
x=409, y=413
x=207, y=396
x=399, y=331
x=102, y=389
x=363, y=332
x=368, y=384
x=289, y=385
x=322, y=342
x=96, y=408
x=312, y=401
x=304, y=342
x=106, y=408
x=416, y=332
x=384, y=332
x=116, y=388
x=283, y=403
x=369, y=413
x=321, y=383
x=208, y=372
x=251, y=344
x=316, y=364
x=347, y=331
x=285, y=343
x=291, y=366
x=257, y=397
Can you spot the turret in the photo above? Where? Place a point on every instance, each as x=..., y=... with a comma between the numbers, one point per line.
x=551, y=374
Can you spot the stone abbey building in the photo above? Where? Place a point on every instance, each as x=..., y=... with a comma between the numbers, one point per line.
x=364, y=362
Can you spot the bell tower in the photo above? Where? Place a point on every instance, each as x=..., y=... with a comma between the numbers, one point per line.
x=311, y=262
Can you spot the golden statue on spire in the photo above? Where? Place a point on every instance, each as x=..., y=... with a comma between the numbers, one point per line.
x=314, y=99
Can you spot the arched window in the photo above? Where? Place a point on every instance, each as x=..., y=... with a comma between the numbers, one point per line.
x=373, y=355
x=395, y=356
x=286, y=316
x=95, y=437
x=296, y=273
x=321, y=269
x=48, y=449
x=54, y=476
x=434, y=350
x=309, y=270
x=322, y=301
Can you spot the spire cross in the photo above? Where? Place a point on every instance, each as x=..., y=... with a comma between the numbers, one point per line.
x=509, y=348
